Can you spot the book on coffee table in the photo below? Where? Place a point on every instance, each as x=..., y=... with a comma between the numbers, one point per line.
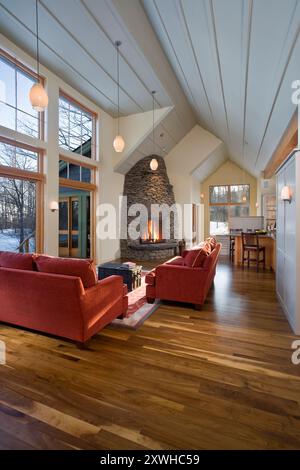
x=130, y=264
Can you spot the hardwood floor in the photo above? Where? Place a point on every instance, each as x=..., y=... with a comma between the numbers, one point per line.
x=221, y=378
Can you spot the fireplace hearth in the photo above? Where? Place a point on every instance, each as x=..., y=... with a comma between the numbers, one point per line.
x=147, y=187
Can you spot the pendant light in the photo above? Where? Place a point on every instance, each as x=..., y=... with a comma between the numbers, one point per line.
x=38, y=95
x=118, y=142
x=154, y=162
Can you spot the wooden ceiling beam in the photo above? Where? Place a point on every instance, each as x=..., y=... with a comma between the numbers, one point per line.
x=287, y=143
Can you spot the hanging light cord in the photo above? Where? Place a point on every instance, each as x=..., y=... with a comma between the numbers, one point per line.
x=118, y=43
x=153, y=139
x=37, y=40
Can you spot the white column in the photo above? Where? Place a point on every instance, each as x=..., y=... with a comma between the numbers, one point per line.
x=51, y=169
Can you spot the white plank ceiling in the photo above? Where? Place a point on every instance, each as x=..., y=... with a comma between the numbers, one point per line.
x=77, y=43
x=226, y=64
x=236, y=60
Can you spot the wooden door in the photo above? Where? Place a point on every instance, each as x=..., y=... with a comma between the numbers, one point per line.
x=69, y=227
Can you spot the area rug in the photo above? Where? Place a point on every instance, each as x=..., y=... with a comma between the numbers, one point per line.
x=138, y=308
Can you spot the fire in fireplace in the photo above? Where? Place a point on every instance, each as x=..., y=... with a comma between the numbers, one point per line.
x=153, y=232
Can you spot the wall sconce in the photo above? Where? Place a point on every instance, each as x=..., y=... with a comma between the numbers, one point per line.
x=53, y=206
x=256, y=205
x=202, y=196
x=286, y=194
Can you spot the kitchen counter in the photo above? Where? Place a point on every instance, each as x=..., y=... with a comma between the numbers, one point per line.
x=267, y=240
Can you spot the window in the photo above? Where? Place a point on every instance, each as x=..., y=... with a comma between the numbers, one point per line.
x=76, y=127
x=16, y=112
x=17, y=215
x=225, y=202
x=18, y=157
x=75, y=171
x=21, y=182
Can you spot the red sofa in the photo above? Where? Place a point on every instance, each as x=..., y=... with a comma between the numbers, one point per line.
x=174, y=280
x=35, y=294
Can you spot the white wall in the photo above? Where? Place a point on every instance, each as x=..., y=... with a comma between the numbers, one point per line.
x=135, y=129
x=286, y=245
x=110, y=183
x=288, y=241
x=181, y=162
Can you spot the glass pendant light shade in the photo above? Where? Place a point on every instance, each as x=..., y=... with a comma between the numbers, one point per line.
x=119, y=143
x=244, y=198
x=154, y=164
x=38, y=97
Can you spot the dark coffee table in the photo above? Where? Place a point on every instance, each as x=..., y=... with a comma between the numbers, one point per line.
x=132, y=275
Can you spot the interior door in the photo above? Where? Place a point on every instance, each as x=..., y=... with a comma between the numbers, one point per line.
x=74, y=227
x=69, y=227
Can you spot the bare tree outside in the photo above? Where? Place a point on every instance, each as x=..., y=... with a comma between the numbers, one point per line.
x=17, y=201
x=75, y=128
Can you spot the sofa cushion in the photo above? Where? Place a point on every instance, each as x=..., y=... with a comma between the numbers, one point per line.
x=212, y=241
x=83, y=268
x=16, y=260
x=207, y=247
x=196, y=257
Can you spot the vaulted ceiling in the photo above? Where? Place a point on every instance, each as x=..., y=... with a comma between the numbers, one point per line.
x=227, y=65
x=235, y=60
x=77, y=40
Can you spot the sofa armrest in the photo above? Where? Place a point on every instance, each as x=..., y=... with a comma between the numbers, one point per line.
x=150, y=278
x=180, y=283
x=104, y=293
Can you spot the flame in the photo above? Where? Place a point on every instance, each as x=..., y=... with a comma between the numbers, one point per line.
x=153, y=233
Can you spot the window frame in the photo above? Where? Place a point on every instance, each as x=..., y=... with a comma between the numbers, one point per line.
x=229, y=203
x=66, y=96
x=38, y=78
x=37, y=177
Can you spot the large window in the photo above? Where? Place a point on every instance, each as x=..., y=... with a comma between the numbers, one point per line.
x=18, y=157
x=20, y=198
x=75, y=171
x=225, y=202
x=76, y=127
x=16, y=112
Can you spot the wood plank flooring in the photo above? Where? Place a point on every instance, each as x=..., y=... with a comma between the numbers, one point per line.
x=221, y=378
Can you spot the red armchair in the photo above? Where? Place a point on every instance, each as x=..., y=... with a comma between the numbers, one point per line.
x=175, y=281
x=59, y=304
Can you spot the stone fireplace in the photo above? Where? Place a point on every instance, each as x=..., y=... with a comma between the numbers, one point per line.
x=145, y=186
